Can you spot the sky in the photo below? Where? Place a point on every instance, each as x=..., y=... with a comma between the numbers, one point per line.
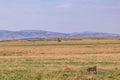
x=61, y=15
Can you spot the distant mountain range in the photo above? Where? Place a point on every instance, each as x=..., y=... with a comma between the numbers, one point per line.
x=4, y=34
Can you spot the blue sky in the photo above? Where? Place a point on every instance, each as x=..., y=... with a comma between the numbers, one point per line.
x=61, y=15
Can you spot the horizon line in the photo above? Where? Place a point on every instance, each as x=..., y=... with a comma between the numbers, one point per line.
x=60, y=32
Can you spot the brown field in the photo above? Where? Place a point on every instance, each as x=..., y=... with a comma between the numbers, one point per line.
x=66, y=60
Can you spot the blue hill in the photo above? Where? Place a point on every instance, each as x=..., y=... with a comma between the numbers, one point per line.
x=5, y=34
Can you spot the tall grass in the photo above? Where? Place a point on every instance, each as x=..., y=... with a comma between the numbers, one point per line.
x=67, y=60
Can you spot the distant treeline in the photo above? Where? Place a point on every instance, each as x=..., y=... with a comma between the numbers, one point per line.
x=59, y=39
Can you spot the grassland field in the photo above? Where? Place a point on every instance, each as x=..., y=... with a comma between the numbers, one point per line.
x=66, y=60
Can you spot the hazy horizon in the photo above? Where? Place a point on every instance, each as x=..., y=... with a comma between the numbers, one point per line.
x=62, y=32
x=64, y=16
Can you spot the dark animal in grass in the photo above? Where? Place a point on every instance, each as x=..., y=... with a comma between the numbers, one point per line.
x=59, y=40
x=92, y=69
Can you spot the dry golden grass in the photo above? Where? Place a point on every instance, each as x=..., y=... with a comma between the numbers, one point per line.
x=66, y=60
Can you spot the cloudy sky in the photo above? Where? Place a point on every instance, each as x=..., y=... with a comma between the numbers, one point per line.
x=61, y=15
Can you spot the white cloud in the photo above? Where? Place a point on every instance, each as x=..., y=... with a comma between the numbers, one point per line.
x=64, y=6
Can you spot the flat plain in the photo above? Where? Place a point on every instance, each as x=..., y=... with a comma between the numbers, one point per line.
x=66, y=60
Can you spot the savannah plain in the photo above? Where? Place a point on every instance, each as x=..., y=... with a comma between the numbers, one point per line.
x=65, y=60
